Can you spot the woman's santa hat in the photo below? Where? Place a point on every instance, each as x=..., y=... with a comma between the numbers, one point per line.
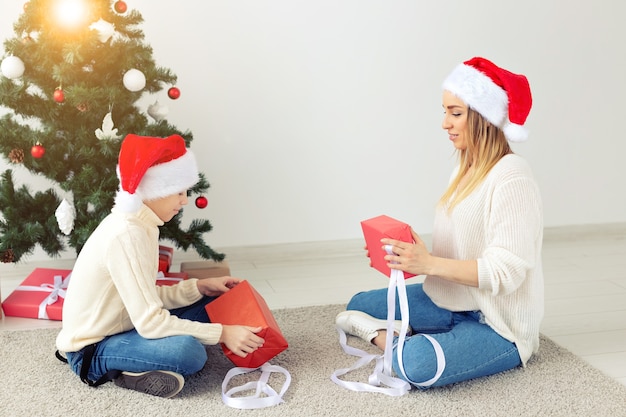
x=501, y=97
x=150, y=168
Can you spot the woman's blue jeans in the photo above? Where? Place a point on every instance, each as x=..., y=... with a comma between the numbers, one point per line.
x=128, y=351
x=472, y=349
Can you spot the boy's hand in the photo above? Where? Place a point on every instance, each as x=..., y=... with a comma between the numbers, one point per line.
x=214, y=287
x=241, y=340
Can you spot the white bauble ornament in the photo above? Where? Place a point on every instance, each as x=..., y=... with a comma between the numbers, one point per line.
x=134, y=80
x=157, y=111
x=105, y=30
x=65, y=215
x=12, y=67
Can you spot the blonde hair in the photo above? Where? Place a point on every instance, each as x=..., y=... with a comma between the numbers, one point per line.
x=486, y=145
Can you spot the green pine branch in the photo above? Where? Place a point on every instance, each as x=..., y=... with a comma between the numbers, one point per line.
x=90, y=73
x=26, y=221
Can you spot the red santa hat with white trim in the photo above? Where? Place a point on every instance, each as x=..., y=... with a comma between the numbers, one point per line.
x=150, y=168
x=500, y=96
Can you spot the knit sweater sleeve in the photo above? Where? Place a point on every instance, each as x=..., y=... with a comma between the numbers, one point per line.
x=132, y=270
x=513, y=225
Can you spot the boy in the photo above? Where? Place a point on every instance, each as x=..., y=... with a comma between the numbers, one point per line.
x=117, y=324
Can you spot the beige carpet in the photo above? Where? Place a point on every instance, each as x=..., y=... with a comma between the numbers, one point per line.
x=556, y=383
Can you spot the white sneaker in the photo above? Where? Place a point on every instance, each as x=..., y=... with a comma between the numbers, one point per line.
x=364, y=326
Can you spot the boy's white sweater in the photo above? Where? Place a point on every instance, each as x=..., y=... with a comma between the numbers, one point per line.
x=112, y=288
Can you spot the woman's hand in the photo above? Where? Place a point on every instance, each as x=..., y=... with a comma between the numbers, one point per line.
x=241, y=340
x=214, y=287
x=413, y=258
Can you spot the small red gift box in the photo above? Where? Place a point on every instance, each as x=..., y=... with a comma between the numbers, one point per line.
x=380, y=227
x=165, y=258
x=244, y=306
x=40, y=295
x=171, y=278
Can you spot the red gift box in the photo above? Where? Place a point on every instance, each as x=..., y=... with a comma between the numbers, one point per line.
x=380, y=227
x=40, y=295
x=165, y=258
x=171, y=278
x=244, y=306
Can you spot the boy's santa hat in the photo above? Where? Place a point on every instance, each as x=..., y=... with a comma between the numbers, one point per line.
x=501, y=97
x=150, y=168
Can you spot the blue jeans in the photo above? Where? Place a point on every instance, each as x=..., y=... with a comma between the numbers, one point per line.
x=472, y=349
x=128, y=351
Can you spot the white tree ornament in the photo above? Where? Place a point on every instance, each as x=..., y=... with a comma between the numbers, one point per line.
x=105, y=30
x=108, y=131
x=134, y=80
x=65, y=215
x=157, y=111
x=12, y=67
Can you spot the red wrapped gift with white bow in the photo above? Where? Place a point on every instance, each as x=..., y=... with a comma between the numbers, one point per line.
x=40, y=295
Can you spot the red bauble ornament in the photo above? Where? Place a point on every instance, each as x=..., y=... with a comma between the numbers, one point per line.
x=59, y=95
x=202, y=202
x=120, y=7
x=173, y=93
x=37, y=151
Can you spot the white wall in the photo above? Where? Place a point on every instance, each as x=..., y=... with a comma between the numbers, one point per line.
x=310, y=116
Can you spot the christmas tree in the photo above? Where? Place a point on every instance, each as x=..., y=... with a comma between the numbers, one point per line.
x=71, y=81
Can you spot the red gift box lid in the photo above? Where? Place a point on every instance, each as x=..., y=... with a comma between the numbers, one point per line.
x=380, y=227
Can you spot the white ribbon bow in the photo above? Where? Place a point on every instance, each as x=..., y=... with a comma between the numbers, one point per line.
x=260, y=386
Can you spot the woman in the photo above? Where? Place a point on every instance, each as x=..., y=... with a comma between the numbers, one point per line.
x=482, y=298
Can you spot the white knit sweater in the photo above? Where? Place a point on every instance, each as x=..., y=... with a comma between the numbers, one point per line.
x=112, y=288
x=501, y=225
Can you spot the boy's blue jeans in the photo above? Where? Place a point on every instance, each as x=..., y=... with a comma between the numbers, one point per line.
x=472, y=349
x=129, y=351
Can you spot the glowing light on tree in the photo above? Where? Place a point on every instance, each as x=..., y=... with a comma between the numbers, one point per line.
x=70, y=13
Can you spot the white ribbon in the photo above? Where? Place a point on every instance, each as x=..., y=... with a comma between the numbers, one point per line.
x=394, y=386
x=166, y=253
x=396, y=279
x=56, y=289
x=261, y=387
x=383, y=370
x=170, y=279
x=161, y=277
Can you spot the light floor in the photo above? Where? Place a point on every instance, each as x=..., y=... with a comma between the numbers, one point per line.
x=584, y=267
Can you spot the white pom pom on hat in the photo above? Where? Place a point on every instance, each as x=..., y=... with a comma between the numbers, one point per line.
x=150, y=168
x=500, y=96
